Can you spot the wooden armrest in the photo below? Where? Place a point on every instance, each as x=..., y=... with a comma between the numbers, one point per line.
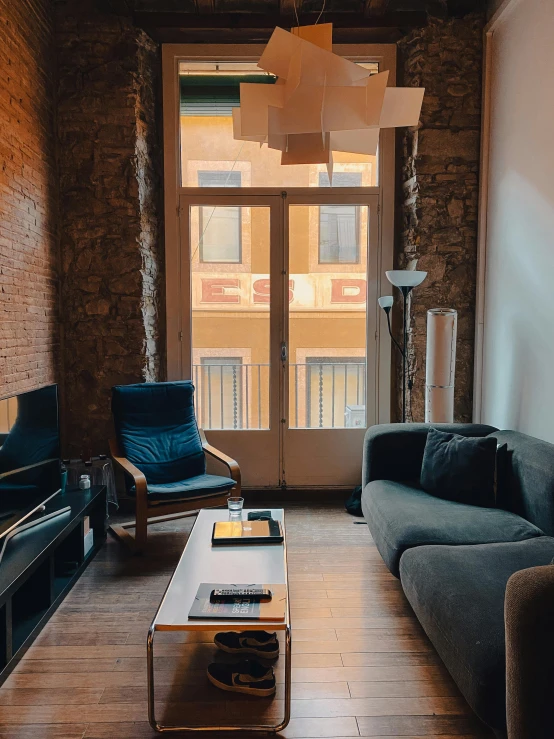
x=128, y=468
x=229, y=462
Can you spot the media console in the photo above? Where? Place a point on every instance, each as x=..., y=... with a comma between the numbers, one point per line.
x=41, y=564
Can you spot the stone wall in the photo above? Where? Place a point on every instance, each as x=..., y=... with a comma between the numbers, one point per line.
x=437, y=229
x=29, y=257
x=110, y=192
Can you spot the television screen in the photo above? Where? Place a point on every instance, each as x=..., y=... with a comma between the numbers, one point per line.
x=29, y=454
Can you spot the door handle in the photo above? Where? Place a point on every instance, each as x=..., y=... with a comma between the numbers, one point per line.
x=283, y=352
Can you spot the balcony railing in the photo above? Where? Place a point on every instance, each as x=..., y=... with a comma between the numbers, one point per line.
x=322, y=395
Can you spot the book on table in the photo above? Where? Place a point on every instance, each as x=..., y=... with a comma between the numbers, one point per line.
x=247, y=532
x=239, y=607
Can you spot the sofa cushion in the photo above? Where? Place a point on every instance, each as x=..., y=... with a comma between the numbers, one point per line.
x=400, y=516
x=457, y=593
x=459, y=468
x=192, y=487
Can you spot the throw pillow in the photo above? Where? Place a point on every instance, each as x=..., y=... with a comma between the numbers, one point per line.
x=459, y=468
x=502, y=494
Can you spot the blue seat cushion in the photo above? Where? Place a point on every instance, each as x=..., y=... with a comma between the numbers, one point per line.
x=401, y=516
x=189, y=488
x=457, y=593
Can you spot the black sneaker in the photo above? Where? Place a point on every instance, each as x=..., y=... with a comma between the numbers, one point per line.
x=259, y=643
x=248, y=677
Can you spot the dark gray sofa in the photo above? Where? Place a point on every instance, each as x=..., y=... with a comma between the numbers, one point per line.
x=454, y=561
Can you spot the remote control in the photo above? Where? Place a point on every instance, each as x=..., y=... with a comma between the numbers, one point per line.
x=256, y=595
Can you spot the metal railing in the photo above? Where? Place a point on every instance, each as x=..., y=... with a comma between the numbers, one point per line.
x=321, y=395
x=327, y=394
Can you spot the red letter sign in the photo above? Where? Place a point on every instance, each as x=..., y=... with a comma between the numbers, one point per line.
x=348, y=291
x=216, y=290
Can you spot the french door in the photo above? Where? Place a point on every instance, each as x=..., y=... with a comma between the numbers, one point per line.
x=279, y=329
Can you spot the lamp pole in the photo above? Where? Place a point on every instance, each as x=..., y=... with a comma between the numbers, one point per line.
x=405, y=280
x=405, y=292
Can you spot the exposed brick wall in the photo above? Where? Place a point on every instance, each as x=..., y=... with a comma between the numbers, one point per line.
x=439, y=191
x=29, y=329
x=109, y=204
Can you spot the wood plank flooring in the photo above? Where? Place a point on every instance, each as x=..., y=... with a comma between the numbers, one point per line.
x=362, y=665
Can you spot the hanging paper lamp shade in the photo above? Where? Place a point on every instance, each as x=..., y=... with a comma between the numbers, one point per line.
x=321, y=102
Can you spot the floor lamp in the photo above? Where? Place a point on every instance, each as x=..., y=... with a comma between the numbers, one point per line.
x=405, y=280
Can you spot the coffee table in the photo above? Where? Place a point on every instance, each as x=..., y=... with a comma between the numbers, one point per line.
x=200, y=562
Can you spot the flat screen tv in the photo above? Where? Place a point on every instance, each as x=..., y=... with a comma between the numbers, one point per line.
x=30, y=471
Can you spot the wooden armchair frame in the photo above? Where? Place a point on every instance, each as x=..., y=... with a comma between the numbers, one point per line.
x=155, y=512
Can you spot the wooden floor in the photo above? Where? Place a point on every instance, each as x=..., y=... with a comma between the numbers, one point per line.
x=362, y=666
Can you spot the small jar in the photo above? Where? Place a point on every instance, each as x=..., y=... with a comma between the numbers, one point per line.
x=84, y=482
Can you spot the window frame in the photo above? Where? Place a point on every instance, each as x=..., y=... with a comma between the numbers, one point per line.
x=178, y=354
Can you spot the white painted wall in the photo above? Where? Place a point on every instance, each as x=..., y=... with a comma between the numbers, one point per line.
x=518, y=347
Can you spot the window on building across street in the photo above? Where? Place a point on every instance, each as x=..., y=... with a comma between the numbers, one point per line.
x=220, y=388
x=335, y=392
x=220, y=228
x=339, y=225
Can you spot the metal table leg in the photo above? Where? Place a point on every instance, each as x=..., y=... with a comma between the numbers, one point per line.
x=288, y=679
x=150, y=670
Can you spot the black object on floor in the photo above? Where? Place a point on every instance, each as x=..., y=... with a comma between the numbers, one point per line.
x=260, y=643
x=248, y=676
x=354, y=503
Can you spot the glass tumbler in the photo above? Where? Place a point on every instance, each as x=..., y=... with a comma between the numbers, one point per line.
x=235, y=507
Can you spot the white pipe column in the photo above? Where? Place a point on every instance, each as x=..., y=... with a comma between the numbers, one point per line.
x=440, y=365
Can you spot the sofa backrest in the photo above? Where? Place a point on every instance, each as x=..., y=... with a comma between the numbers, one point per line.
x=394, y=451
x=530, y=478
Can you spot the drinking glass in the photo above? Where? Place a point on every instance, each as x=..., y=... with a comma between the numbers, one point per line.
x=235, y=507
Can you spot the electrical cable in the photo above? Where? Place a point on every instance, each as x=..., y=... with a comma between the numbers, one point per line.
x=295, y=12
x=321, y=12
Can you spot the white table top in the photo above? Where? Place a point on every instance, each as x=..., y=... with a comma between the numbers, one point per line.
x=201, y=562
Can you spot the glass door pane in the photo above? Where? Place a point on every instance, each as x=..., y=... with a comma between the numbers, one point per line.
x=230, y=269
x=331, y=366
x=210, y=155
x=327, y=315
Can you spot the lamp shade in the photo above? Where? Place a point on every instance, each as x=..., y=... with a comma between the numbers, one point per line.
x=386, y=302
x=405, y=277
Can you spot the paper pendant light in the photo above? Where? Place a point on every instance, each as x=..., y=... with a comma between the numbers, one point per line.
x=321, y=102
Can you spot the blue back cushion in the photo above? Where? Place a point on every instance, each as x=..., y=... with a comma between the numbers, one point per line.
x=530, y=478
x=156, y=429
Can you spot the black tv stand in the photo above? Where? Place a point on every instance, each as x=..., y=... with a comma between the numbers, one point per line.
x=41, y=564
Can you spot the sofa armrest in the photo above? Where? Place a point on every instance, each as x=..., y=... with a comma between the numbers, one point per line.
x=529, y=617
x=394, y=451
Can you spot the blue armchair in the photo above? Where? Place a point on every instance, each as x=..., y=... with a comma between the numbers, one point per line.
x=162, y=453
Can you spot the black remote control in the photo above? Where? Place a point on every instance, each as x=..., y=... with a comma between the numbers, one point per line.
x=228, y=595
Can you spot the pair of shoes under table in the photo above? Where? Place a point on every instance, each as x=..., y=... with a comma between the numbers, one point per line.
x=248, y=676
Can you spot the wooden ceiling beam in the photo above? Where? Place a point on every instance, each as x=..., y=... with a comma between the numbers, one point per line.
x=267, y=22
x=205, y=6
x=374, y=8
x=287, y=8
x=250, y=36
